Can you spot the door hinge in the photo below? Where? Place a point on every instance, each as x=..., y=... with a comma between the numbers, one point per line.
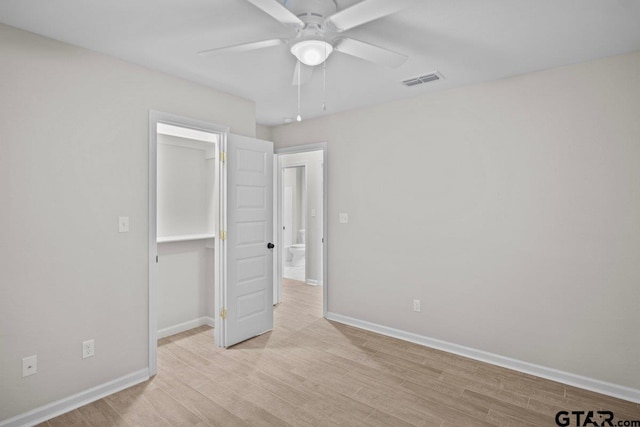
x=223, y=313
x=223, y=235
x=156, y=259
x=223, y=156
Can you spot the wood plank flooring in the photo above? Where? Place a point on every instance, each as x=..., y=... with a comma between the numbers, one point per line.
x=312, y=372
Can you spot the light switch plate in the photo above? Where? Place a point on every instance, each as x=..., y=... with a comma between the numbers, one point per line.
x=123, y=224
x=344, y=217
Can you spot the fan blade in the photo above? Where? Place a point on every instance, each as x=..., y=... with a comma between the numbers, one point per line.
x=369, y=52
x=278, y=11
x=244, y=47
x=305, y=72
x=366, y=11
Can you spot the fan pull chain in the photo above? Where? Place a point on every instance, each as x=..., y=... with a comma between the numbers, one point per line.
x=299, y=118
x=324, y=81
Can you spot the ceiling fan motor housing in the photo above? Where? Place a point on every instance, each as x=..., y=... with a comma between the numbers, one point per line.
x=313, y=13
x=304, y=8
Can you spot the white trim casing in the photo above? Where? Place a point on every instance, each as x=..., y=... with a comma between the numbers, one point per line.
x=592, y=384
x=70, y=403
x=154, y=118
x=277, y=294
x=221, y=246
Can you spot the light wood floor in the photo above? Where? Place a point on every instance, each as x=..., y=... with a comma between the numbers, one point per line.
x=312, y=372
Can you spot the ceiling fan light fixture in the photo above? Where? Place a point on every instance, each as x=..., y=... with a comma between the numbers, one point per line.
x=312, y=52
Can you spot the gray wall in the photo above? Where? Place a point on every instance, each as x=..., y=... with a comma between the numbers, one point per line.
x=185, y=290
x=73, y=157
x=264, y=132
x=509, y=208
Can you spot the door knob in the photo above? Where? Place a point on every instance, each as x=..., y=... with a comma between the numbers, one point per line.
x=270, y=245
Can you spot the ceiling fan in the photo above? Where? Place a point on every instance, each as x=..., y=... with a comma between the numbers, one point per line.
x=319, y=30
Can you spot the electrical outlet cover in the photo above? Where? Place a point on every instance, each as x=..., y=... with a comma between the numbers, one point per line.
x=87, y=349
x=30, y=365
x=123, y=224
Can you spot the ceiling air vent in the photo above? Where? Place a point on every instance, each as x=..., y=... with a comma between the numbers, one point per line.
x=432, y=77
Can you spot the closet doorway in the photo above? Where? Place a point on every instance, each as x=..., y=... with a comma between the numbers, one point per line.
x=211, y=250
x=184, y=218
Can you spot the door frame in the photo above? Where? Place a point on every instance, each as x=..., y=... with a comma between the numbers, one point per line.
x=156, y=117
x=320, y=146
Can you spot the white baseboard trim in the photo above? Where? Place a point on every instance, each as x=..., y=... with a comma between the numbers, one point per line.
x=598, y=386
x=70, y=403
x=312, y=282
x=176, y=329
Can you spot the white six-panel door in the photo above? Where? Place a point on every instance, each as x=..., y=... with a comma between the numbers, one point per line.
x=248, y=261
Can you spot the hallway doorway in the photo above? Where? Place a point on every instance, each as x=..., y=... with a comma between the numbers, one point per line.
x=301, y=219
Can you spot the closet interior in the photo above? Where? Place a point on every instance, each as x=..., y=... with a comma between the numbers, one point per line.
x=187, y=214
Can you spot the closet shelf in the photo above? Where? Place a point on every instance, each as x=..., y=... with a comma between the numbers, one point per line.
x=184, y=238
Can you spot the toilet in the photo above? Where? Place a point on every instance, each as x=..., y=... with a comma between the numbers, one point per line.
x=297, y=251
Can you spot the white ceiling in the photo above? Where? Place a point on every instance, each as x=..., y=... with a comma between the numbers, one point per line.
x=467, y=41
